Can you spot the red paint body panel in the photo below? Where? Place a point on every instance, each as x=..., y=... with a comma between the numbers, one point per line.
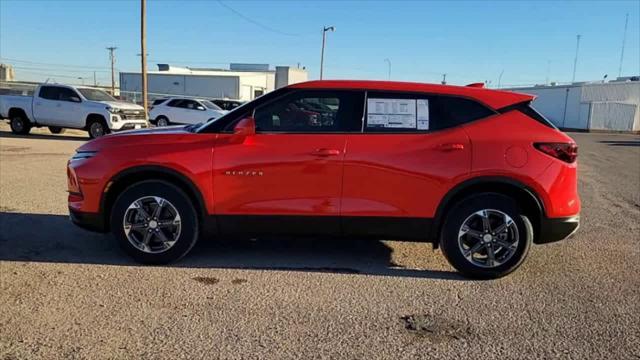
x=341, y=174
x=288, y=174
x=402, y=174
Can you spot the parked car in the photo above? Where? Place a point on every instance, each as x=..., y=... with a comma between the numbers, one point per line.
x=476, y=172
x=63, y=106
x=177, y=110
x=227, y=104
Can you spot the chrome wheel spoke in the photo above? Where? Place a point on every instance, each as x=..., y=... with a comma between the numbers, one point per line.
x=486, y=248
x=474, y=249
x=486, y=225
x=156, y=229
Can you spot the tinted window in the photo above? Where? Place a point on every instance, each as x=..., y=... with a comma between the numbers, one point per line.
x=406, y=112
x=49, y=92
x=175, y=102
x=447, y=111
x=158, y=101
x=189, y=104
x=95, y=95
x=57, y=93
x=312, y=111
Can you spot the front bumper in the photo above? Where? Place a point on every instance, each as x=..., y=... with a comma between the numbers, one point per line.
x=556, y=229
x=88, y=221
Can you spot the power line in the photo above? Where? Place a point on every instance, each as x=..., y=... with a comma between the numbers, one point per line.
x=254, y=22
x=51, y=64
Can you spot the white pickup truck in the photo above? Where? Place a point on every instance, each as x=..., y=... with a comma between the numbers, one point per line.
x=63, y=106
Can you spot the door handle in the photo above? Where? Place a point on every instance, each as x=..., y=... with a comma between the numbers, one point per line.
x=326, y=152
x=450, y=147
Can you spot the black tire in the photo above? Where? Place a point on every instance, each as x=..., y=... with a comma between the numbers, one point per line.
x=462, y=211
x=188, y=235
x=97, y=128
x=56, y=130
x=19, y=124
x=162, y=121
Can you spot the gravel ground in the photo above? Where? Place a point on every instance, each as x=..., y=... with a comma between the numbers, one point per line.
x=69, y=293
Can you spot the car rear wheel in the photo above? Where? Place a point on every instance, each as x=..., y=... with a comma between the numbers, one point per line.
x=486, y=236
x=155, y=222
x=56, y=130
x=20, y=125
x=162, y=121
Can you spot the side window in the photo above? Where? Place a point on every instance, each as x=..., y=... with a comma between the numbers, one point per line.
x=65, y=94
x=189, y=104
x=49, y=92
x=449, y=111
x=406, y=112
x=397, y=112
x=174, y=103
x=312, y=111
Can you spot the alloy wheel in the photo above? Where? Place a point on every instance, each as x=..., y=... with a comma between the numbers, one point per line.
x=488, y=238
x=152, y=224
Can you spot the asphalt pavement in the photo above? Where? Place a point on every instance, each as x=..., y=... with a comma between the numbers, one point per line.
x=67, y=293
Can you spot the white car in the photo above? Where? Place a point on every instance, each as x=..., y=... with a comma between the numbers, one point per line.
x=178, y=110
x=63, y=106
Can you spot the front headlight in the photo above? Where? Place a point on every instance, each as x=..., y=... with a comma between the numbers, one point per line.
x=112, y=110
x=81, y=155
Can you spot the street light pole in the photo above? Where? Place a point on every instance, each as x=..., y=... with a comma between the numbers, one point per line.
x=324, y=40
x=143, y=54
x=389, y=63
x=575, y=61
x=113, y=77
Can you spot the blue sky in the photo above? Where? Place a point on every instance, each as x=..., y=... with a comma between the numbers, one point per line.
x=470, y=41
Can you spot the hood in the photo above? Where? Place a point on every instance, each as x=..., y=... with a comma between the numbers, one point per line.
x=176, y=129
x=138, y=137
x=122, y=105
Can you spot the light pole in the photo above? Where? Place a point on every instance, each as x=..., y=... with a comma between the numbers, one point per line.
x=324, y=39
x=143, y=54
x=112, y=58
x=575, y=61
x=388, y=63
x=500, y=78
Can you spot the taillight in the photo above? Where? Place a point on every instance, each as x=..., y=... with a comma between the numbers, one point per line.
x=567, y=152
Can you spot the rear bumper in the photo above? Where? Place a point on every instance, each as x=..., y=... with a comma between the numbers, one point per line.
x=88, y=221
x=556, y=229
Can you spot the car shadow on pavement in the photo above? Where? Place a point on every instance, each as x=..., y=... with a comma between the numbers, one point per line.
x=5, y=134
x=52, y=238
x=621, y=142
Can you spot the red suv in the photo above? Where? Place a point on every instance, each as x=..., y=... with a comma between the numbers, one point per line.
x=474, y=171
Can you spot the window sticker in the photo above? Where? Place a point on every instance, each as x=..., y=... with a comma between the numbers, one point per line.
x=392, y=113
x=423, y=114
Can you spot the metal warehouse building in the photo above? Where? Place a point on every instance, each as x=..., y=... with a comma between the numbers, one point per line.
x=240, y=81
x=612, y=106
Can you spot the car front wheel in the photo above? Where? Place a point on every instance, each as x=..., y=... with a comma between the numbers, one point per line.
x=155, y=222
x=486, y=236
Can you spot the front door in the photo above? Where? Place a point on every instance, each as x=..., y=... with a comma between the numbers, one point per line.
x=57, y=106
x=287, y=178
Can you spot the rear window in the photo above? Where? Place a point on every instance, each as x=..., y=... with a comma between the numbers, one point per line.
x=158, y=101
x=528, y=110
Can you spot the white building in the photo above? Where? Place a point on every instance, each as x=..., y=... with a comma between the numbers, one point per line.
x=240, y=81
x=612, y=106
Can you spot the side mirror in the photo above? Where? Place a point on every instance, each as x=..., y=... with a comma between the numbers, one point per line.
x=201, y=108
x=74, y=99
x=245, y=127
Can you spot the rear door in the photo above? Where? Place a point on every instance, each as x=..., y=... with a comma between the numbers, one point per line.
x=287, y=178
x=409, y=155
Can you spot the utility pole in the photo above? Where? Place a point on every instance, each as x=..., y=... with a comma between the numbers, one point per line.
x=94, y=79
x=444, y=79
x=113, y=76
x=389, y=63
x=575, y=61
x=500, y=78
x=143, y=53
x=324, y=39
x=624, y=40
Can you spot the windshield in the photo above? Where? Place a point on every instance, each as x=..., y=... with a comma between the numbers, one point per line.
x=95, y=95
x=210, y=105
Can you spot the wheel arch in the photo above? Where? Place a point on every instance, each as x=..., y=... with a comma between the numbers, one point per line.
x=526, y=198
x=94, y=116
x=18, y=111
x=125, y=178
